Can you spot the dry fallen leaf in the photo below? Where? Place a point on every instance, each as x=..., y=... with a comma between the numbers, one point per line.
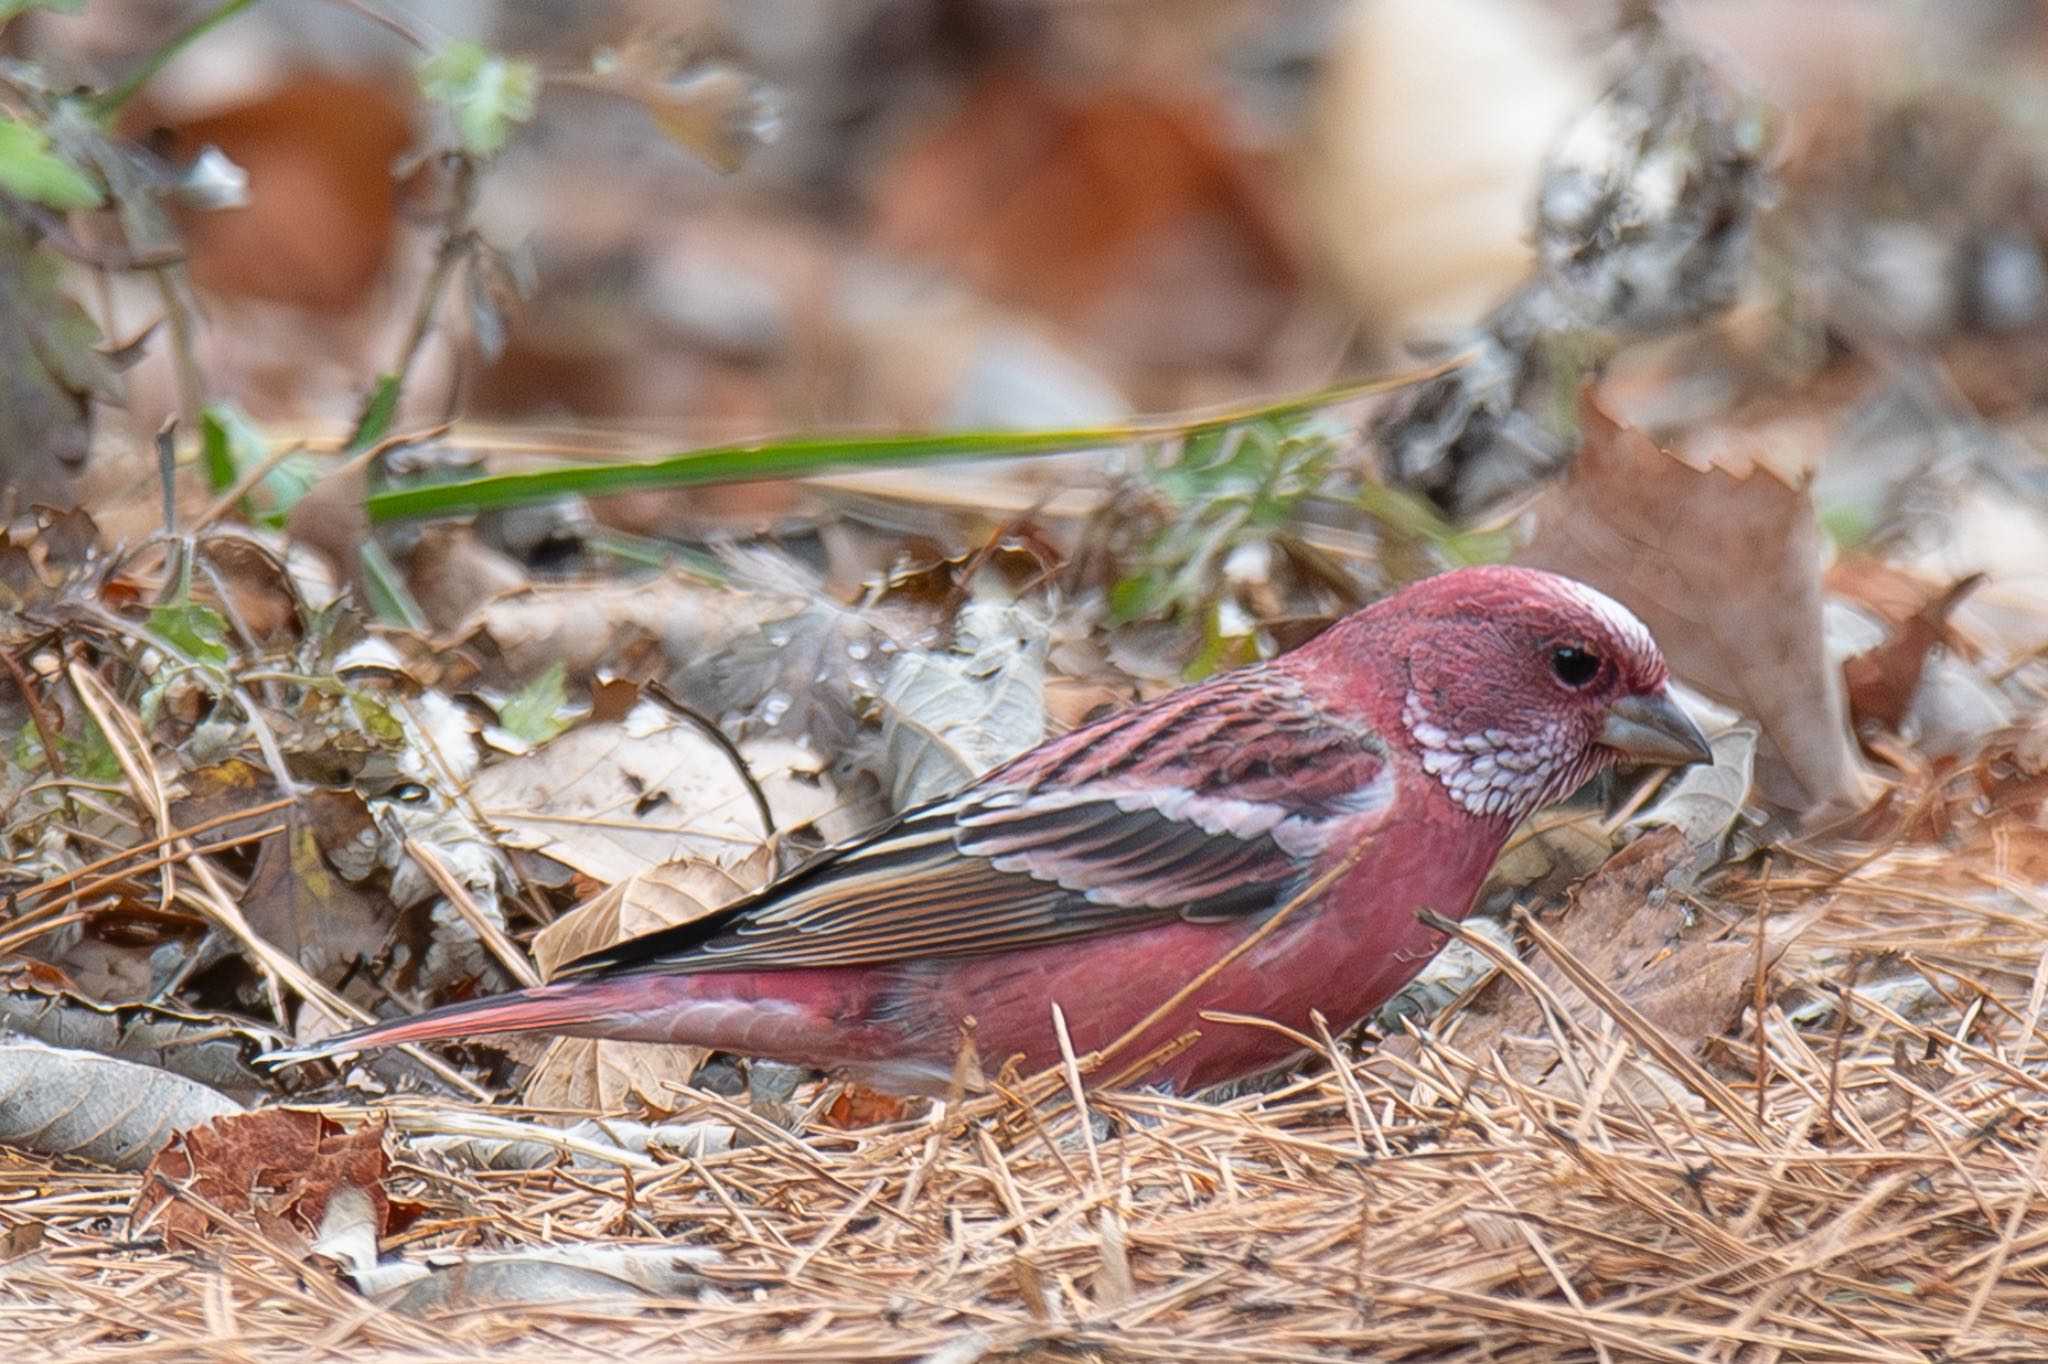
x=1725, y=570
x=582, y=625
x=297, y=900
x=465, y=1282
x=590, y=1074
x=1625, y=928
x=616, y=800
x=1883, y=682
x=950, y=715
x=277, y=1167
x=214, y=1049
x=603, y=1075
x=662, y=896
x=717, y=112
x=489, y=1142
x=86, y=1106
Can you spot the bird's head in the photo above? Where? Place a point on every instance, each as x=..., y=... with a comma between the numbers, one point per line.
x=1515, y=685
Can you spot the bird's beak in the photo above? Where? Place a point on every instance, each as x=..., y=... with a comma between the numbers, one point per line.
x=1652, y=729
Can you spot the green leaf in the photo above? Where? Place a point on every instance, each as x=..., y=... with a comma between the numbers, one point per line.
x=87, y=753
x=231, y=445
x=1219, y=650
x=1228, y=487
x=1136, y=597
x=378, y=410
x=791, y=458
x=216, y=446
x=32, y=169
x=1405, y=516
x=28, y=754
x=375, y=717
x=538, y=711
x=487, y=92
x=10, y=8
x=197, y=631
x=385, y=588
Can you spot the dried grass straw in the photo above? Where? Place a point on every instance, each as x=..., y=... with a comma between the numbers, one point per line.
x=1882, y=1201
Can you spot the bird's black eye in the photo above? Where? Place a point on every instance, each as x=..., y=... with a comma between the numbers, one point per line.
x=1574, y=666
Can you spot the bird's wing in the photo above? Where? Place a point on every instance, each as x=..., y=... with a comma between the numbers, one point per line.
x=1207, y=804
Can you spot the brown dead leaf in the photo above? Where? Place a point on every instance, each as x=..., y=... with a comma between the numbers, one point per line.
x=253, y=586
x=453, y=573
x=855, y=1107
x=219, y=790
x=600, y=1075
x=1083, y=208
x=298, y=901
x=661, y=897
x=612, y=1077
x=1725, y=570
x=329, y=519
x=1626, y=929
x=322, y=211
x=584, y=626
x=614, y=801
x=277, y=1167
x=79, y=1104
x=713, y=110
x=70, y=536
x=803, y=794
x=1882, y=682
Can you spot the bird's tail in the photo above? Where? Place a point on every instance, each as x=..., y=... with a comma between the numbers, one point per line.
x=558, y=1008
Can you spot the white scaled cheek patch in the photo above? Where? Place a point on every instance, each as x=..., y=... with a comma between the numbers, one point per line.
x=1492, y=773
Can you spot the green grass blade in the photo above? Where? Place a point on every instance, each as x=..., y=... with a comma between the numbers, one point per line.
x=722, y=464
x=802, y=456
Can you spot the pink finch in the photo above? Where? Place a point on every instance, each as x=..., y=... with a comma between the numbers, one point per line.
x=1384, y=763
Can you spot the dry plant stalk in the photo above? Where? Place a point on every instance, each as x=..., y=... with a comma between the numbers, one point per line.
x=1420, y=1205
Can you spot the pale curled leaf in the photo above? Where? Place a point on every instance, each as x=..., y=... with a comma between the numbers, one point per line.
x=949, y=716
x=447, y=1282
x=213, y=1050
x=430, y=844
x=671, y=893
x=82, y=1105
x=802, y=793
x=609, y=1076
x=579, y=626
x=615, y=800
x=509, y=1145
x=1707, y=801
x=604, y=1075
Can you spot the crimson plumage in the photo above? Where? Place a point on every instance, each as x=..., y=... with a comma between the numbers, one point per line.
x=1390, y=757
